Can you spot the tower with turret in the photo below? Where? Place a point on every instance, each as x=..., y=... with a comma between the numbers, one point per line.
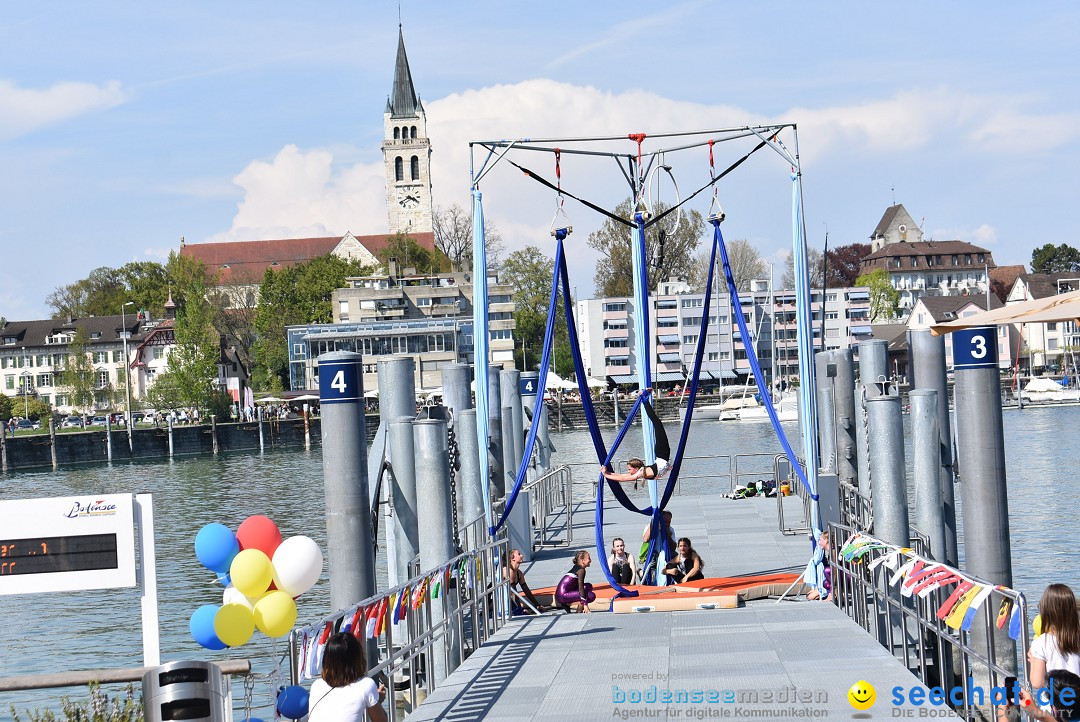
x=406, y=153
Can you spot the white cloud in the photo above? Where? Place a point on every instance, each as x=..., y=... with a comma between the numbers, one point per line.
x=985, y=235
x=25, y=110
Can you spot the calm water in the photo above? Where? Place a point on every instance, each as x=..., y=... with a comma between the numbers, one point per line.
x=102, y=628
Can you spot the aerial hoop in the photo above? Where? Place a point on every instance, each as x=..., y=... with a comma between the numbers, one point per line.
x=652, y=186
x=559, y=231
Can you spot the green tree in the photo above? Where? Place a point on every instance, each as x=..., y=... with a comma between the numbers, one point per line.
x=78, y=376
x=453, y=228
x=530, y=272
x=614, y=272
x=36, y=409
x=410, y=254
x=105, y=290
x=1055, y=259
x=296, y=295
x=5, y=407
x=884, y=299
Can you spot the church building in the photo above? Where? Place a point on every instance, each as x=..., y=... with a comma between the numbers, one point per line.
x=406, y=153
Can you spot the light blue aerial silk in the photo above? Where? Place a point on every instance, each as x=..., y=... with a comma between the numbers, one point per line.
x=480, y=348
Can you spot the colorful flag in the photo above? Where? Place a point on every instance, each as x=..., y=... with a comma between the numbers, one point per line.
x=1003, y=612
x=956, y=616
x=945, y=609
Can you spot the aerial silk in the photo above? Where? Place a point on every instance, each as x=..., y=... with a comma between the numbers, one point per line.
x=480, y=347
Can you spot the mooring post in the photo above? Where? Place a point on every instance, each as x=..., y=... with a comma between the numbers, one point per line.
x=826, y=414
x=213, y=433
x=52, y=443
x=513, y=400
x=844, y=416
x=397, y=403
x=436, y=534
x=980, y=443
x=495, y=457
x=926, y=469
x=887, y=479
x=3, y=449
x=456, y=379
x=929, y=372
x=259, y=414
x=108, y=438
x=873, y=365
x=519, y=522
x=307, y=427
x=348, y=516
x=470, y=492
x=169, y=420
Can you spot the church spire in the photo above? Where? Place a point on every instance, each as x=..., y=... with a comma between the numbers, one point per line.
x=402, y=102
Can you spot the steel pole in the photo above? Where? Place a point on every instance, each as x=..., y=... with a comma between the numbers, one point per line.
x=888, y=485
x=455, y=384
x=873, y=365
x=510, y=400
x=929, y=512
x=127, y=375
x=825, y=370
x=470, y=490
x=406, y=529
x=845, y=416
x=495, y=447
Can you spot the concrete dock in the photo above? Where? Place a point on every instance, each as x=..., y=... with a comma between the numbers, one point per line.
x=765, y=660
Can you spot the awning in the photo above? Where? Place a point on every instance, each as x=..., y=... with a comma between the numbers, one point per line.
x=858, y=295
x=624, y=378
x=860, y=330
x=668, y=339
x=1062, y=307
x=670, y=358
x=666, y=376
x=716, y=375
x=667, y=303
x=617, y=358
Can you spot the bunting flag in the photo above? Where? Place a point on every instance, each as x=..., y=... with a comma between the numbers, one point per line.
x=1003, y=612
x=1016, y=623
x=358, y=630
x=956, y=616
x=421, y=591
x=903, y=570
x=944, y=610
x=969, y=616
x=371, y=619
x=397, y=604
x=302, y=637
x=923, y=590
x=380, y=623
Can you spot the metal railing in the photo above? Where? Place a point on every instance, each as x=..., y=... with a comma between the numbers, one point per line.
x=439, y=631
x=551, y=505
x=909, y=627
x=734, y=468
x=856, y=510
x=783, y=475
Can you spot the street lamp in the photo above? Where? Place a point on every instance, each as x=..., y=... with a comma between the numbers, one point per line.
x=127, y=372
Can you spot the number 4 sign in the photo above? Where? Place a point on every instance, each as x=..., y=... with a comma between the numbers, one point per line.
x=975, y=348
x=339, y=378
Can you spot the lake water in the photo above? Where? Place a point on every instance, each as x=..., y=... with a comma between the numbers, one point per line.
x=84, y=630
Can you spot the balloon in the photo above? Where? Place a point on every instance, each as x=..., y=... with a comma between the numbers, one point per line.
x=232, y=595
x=298, y=563
x=251, y=572
x=292, y=702
x=215, y=547
x=202, y=627
x=234, y=624
x=1036, y=624
x=258, y=532
x=275, y=614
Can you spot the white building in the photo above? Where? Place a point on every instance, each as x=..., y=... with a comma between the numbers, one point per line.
x=1049, y=346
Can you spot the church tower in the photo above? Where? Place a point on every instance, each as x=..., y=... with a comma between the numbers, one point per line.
x=406, y=153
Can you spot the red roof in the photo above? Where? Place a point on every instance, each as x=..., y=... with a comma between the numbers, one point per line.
x=247, y=261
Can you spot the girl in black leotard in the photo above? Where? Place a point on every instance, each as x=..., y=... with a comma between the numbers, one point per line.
x=687, y=566
x=622, y=565
x=636, y=469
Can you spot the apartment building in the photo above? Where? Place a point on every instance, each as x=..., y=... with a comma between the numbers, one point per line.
x=1047, y=346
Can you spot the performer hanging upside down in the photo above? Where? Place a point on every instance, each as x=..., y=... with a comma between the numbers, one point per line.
x=636, y=469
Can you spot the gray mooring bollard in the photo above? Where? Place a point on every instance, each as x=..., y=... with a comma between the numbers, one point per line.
x=169, y=419
x=495, y=457
x=52, y=443
x=887, y=480
x=403, y=492
x=844, y=416
x=826, y=413
x=929, y=511
x=470, y=493
x=510, y=384
x=873, y=365
x=348, y=515
x=397, y=403
x=108, y=438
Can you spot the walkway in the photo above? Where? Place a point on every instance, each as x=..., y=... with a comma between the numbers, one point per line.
x=792, y=660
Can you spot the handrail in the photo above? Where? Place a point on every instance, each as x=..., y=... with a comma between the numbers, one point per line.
x=472, y=604
x=80, y=678
x=909, y=627
x=550, y=494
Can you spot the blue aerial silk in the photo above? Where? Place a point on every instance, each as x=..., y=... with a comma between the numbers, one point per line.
x=480, y=348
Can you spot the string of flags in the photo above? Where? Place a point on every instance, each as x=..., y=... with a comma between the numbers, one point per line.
x=369, y=621
x=918, y=577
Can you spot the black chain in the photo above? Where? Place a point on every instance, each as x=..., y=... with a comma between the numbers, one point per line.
x=455, y=465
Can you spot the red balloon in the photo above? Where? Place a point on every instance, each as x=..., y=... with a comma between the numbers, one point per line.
x=259, y=532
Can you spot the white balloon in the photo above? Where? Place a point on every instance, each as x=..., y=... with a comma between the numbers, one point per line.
x=232, y=595
x=298, y=564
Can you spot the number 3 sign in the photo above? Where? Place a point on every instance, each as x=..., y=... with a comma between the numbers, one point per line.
x=975, y=348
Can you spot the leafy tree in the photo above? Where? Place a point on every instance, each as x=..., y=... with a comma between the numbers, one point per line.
x=410, y=254
x=746, y=265
x=530, y=272
x=78, y=376
x=5, y=407
x=844, y=263
x=296, y=295
x=884, y=299
x=814, y=264
x=1055, y=259
x=36, y=409
x=614, y=273
x=453, y=229
x=105, y=290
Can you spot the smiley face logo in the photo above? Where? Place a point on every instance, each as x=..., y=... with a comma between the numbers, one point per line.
x=862, y=695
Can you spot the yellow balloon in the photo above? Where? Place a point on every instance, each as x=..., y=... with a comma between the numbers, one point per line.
x=275, y=614
x=234, y=624
x=251, y=572
x=1036, y=624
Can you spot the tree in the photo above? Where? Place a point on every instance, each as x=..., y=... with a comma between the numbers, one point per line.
x=410, y=254
x=5, y=407
x=453, y=229
x=1055, y=259
x=813, y=262
x=884, y=299
x=293, y=296
x=746, y=265
x=844, y=264
x=530, y=272
x=675, y=257
x=78, y=375
x=37, y=409
x=104, y=291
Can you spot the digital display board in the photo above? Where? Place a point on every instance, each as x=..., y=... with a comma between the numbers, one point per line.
x=67, y=543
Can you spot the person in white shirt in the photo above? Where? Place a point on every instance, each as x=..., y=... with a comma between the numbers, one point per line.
x=343, y=693
x=1055, y=652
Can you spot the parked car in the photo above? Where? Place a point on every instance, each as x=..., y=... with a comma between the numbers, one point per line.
x=24, y=425
x=138, y=417
x=98, y=421
x=72, y=422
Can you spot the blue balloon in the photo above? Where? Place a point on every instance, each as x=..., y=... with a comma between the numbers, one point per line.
x=292, y=702
x=202, y=627
x=215, y=547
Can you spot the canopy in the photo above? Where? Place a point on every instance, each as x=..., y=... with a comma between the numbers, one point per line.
x=306, y=397
x=269, y=399
x=595, y=383
x=554, y=381
x=1062, y=307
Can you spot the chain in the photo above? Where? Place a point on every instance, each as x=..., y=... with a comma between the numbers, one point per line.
x=249, y=690
x=455, y=465
x=866, y=451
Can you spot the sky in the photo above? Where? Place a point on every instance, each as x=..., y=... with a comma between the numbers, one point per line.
x=126, y=125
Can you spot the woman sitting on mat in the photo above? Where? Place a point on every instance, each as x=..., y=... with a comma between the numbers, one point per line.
x=637, y=470
x=687, y=566
x=623, y=569
x=572, y=589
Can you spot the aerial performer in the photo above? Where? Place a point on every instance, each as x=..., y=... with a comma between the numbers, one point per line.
x=636, y=469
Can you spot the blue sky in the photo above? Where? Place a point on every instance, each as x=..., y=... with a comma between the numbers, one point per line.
x=124, y=126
